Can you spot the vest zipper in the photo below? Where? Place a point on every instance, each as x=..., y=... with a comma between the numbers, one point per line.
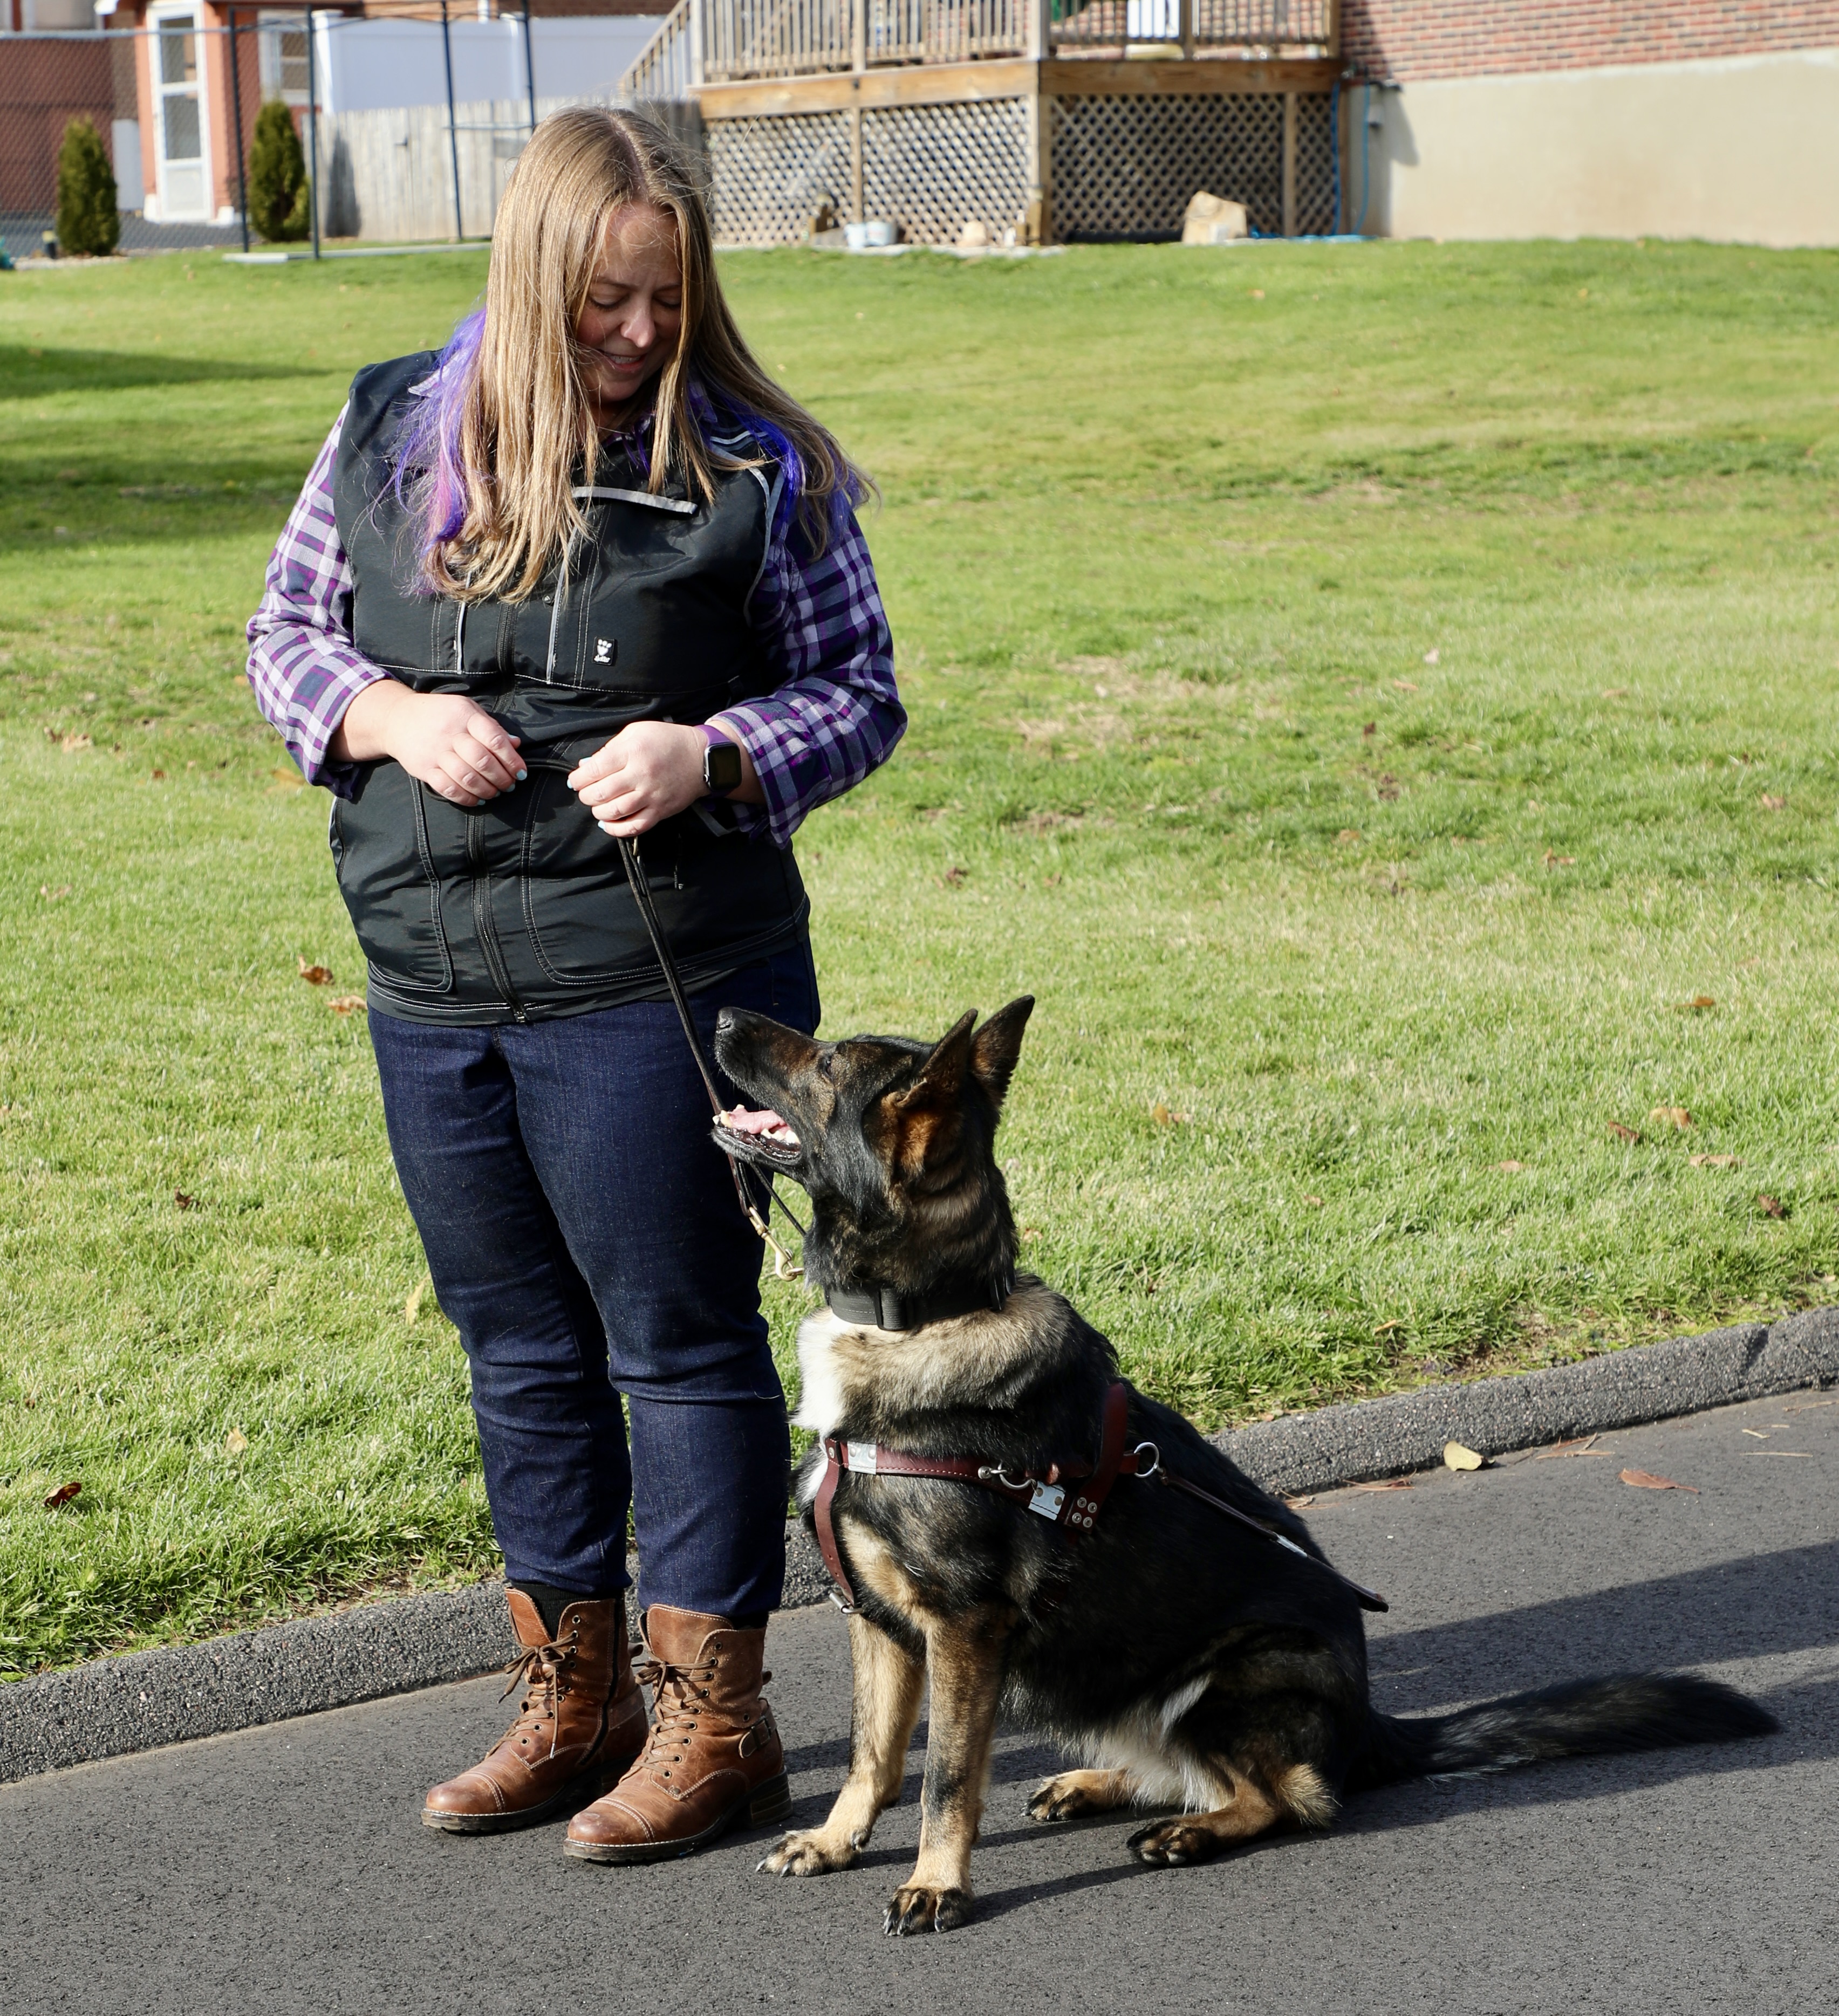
x=483, y=924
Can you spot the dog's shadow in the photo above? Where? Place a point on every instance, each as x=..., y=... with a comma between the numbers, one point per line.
x=1777, y=1603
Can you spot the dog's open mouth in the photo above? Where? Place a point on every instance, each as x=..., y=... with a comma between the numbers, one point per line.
x=762, y=1134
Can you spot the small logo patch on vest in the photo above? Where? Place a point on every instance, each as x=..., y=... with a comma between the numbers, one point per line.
x=604, y=649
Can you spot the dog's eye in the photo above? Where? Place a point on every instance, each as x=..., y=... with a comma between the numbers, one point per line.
x=827, y=1063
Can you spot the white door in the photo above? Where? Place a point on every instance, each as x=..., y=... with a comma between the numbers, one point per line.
x=179, y=125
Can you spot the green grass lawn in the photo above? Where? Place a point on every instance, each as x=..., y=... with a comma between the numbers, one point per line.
x=1368, y=694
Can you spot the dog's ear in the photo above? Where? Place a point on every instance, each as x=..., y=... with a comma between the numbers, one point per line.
x=997, y=1046
x=942, y=1076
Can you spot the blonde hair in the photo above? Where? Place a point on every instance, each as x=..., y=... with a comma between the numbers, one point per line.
x=492, y=457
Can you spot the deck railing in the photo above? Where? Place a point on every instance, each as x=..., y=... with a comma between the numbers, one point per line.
x=721, y=42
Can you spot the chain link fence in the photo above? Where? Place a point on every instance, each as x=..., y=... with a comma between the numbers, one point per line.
x=409, y=117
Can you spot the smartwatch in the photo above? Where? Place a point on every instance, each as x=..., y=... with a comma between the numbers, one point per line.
x=721, y=763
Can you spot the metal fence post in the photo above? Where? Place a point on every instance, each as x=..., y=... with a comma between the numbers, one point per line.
x=237, y=114
x=453, y=135
x=529, y=66
x=312, y=136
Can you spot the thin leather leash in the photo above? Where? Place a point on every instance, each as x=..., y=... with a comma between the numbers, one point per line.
x=1068, y=1494
x=784, y=1267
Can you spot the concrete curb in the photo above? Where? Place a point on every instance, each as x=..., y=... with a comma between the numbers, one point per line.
x=178, y=1694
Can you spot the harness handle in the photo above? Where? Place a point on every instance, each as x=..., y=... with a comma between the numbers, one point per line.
x=784, y=1267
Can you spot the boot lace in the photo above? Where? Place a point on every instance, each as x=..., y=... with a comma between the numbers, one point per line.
x=680, y=1699
x=542, y=1670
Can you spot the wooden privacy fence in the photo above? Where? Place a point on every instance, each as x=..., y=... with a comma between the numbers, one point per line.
x=388, y=175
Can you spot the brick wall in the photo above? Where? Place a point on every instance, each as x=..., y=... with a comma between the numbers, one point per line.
x=1424, y=38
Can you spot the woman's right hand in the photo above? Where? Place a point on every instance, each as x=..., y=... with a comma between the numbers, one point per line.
x=450, y=743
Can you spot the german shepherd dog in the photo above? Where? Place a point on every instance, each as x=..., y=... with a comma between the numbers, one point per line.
x=1184, y=1662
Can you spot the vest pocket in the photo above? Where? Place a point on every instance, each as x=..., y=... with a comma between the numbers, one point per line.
x=386, y=874
x=584, y=927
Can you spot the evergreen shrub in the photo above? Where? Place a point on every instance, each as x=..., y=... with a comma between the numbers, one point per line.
x=88, y=217
x=278, y=193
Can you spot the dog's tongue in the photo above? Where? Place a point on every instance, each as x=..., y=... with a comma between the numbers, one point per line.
x=766, y=1121
x=744, y=1122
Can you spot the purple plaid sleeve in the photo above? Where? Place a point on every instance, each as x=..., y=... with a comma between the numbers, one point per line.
x=303, y=666
x=835, y=714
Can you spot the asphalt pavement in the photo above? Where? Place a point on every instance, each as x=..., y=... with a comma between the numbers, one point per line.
x=285, y=1868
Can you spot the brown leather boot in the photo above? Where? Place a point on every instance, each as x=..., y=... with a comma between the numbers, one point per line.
x=580, y=1723
x=714, y=1755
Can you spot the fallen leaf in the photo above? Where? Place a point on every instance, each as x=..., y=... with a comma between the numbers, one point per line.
x=1560, y=860
x=52, y=895
x=412, y=1309
x=185, y=1202
x=1716, y=1162
x=1404, y=686
x=1371, y=728
x=953, y=877
x=1257, y=293
x=1625, y=1133
x=1431, y=656
x=1672, y=1116
x=1296, y=1504
x=1698, y=1004
x=1347, y=837
x=315, y=976
x=63, y=1495
x=289, y=780
x=69, y=743
x=345, y=1004
x=1770, y=805
x=159, y=775
x=1049, y=881
x=235, y=1442
x=1510, y=1168
x=1456, y=1456
x=1645, y=1480
x=1389, y=1484
x=1313, y=1201
x=1165, y=1116
x=1773, y=1206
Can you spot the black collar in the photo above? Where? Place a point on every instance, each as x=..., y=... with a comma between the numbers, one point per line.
x=888, y=1309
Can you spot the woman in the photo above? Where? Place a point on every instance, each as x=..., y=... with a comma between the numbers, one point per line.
x=588, y=573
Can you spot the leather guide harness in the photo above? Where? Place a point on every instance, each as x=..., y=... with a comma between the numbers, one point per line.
x=1069, y=1495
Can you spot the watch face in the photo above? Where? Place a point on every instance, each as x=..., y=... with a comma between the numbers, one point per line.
x=721, y=766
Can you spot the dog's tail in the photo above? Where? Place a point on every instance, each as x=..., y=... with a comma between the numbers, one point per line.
x=1580, y=1719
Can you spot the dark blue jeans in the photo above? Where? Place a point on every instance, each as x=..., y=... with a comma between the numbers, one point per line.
x=583, y=1235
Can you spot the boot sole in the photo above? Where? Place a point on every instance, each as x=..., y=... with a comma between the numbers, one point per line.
x=579, y=1792
x=772, y=1802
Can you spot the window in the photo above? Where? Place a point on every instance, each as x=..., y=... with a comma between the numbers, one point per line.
x=284, y=59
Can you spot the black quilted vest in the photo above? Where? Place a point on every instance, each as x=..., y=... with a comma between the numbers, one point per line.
x=519, y=910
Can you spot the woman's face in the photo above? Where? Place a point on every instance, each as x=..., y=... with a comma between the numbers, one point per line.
x=635, y=309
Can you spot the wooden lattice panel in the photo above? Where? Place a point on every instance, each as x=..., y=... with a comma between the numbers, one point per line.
x=932, y=168
x=770, y=174
x=1127, y=167
x=1315, y=165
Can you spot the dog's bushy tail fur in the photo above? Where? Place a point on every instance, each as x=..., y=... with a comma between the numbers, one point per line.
x=1580, y=1719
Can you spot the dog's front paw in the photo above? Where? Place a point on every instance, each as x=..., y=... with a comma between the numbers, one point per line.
x=811, y=1853
x=920, y=1907
x=1171, y=1842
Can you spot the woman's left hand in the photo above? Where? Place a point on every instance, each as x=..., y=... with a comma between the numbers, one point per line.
x=648, y=772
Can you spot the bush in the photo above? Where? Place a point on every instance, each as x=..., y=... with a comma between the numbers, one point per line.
x=88, y=218
x=278, y=193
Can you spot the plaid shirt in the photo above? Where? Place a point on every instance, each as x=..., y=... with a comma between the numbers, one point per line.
x=834, y=717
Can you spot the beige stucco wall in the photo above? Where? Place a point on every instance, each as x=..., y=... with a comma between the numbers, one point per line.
x=1745, y=149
